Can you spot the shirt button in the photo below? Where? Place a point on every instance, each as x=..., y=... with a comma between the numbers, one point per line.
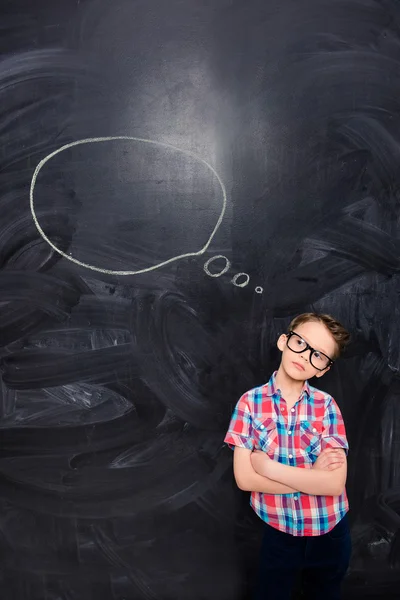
x=282, y=409
x=290, y=455
x=262, y=427
x=290, y=432
x=292, y=409
x=314, y=430
x=296, y=497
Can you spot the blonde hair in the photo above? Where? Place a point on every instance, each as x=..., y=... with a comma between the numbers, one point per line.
x=336, y=329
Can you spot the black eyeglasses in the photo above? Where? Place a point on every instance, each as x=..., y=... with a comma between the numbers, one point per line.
x=319, y=360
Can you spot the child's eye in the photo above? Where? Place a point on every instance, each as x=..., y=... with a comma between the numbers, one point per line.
x=317, y=355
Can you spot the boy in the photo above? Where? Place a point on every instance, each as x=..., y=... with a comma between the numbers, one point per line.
x=290, y=449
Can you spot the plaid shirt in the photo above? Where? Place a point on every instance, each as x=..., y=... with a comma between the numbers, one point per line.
x=262, y=421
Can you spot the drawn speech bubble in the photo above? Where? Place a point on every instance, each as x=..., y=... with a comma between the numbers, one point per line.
x=133, y=139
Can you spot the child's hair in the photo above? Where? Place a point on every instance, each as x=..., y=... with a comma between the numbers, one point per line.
x=338, y=332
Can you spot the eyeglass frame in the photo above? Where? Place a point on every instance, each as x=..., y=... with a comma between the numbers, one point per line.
x=308, y=347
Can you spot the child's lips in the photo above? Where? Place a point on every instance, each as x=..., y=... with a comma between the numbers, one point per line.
x=299, y=366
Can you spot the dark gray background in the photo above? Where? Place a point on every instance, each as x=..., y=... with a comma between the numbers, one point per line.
x=117, y=391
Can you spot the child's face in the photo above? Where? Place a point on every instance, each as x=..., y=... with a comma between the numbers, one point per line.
x=298, y=365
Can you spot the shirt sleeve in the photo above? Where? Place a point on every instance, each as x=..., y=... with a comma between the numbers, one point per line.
x=240, y=432
x=334, y=432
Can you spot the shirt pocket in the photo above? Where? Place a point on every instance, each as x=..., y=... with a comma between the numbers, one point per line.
x=310, y=436
x=265, y=435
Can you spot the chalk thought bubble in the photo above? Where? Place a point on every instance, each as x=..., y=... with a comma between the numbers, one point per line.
x=132, y=139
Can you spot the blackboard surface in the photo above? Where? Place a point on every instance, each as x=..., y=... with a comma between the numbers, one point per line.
x=262, y=132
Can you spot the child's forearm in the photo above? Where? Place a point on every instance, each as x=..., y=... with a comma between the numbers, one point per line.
x=309, y=481
x=252, y=482
x=249, y=481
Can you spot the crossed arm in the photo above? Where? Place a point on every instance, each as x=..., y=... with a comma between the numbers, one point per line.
x=256, y=472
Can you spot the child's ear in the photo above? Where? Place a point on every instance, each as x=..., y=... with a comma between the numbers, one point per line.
x=281, y=343
x=320, y=373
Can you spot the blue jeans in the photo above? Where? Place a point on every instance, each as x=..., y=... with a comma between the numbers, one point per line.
x=323, y=560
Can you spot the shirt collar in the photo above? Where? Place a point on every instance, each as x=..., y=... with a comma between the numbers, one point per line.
x=273, y=389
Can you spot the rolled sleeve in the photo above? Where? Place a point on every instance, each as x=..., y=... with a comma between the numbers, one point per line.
x=334, y=431
x=240, y=432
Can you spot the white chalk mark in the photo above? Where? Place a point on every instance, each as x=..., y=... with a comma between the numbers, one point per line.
x=224, y=270
x=243, y=283
x=134, y=139
x=259, y=289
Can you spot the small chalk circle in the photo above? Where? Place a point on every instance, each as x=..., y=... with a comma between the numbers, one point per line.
x=219, y=273
x=242, y=283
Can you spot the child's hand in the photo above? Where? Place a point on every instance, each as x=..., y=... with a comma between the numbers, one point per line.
x=260, y=462
x=329, y=459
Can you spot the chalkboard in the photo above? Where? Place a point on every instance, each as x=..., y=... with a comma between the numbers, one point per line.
x=177, y=181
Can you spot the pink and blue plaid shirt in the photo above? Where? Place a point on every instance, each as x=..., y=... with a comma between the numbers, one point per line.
x=296, y=437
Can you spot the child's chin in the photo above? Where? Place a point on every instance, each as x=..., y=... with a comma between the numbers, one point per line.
x=299, y=376
x=296, y=374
